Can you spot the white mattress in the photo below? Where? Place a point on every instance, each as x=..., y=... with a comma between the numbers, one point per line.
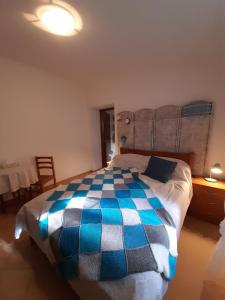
x=175, y=195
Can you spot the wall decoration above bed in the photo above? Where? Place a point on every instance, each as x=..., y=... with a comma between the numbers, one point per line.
x=169, y=128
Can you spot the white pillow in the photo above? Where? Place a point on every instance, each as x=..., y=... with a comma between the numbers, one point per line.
x=129, y=160
x=140, y=162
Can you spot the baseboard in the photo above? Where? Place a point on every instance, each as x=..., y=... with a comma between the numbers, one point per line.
x=67, y=180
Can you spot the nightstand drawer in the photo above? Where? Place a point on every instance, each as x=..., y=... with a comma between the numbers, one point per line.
x=210, y=212
x=208, y=192
x=207, y=203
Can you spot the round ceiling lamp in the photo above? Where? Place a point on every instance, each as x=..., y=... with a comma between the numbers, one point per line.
x=58, y=18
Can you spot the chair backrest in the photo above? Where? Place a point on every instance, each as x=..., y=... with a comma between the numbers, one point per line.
x=47, y=163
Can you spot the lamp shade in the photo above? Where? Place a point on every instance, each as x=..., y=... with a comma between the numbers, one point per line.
x=216, y=169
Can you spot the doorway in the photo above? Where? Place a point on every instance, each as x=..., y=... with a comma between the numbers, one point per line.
x=107, y=127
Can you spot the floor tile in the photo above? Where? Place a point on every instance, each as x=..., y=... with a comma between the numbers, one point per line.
x=14, y=283
x=26, y=274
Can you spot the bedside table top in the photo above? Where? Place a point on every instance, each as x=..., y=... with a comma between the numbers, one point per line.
x=201, y=181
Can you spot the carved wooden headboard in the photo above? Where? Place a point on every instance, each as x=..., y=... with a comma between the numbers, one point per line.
x=186, y=157
x=170, y=128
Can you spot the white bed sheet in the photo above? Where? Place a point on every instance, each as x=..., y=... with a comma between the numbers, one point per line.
x=175, y=195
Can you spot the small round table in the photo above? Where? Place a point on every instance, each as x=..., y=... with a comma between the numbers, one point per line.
x=14, y=178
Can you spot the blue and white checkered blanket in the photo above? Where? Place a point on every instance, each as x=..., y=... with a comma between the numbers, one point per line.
x=107, y=226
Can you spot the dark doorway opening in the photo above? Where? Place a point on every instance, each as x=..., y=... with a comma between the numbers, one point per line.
x=107, y=123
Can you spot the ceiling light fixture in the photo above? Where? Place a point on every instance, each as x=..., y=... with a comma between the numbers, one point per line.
x=57, y=17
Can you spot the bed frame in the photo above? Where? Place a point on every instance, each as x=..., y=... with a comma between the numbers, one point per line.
x=186, y=157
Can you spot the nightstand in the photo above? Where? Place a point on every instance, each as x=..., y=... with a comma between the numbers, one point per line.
x=208, y=200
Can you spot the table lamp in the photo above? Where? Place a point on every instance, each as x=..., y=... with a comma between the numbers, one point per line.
x=216, y=169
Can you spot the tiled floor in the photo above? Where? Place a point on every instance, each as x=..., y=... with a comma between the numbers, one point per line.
x=26, y=274
x=196, y=245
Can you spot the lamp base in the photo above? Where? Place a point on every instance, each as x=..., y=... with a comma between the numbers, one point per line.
x=210, y=179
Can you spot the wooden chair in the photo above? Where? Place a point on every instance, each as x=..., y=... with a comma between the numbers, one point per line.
x=2, y=204
x=45, y=163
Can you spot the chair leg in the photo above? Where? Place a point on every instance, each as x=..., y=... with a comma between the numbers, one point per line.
x=2, y=204
x=32, y=242
x=30, y=193
x=17, y=198
x=41, y=188
x=35, y=190
x=26, y=195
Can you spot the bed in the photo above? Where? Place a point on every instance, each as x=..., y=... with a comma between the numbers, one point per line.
x=175, y=196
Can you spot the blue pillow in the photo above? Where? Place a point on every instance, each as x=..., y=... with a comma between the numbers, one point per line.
x=160, y=169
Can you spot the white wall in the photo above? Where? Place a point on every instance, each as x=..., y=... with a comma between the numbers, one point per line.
x=177, y=85
x=41, y=114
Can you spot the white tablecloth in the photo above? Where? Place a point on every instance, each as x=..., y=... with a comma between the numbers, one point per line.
x=12, y=179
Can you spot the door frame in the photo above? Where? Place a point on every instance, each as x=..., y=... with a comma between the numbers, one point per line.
x=103, y=148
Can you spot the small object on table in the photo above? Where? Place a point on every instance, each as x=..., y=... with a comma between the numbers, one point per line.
x=8, y=164
x=208, y=200
x=216, y=169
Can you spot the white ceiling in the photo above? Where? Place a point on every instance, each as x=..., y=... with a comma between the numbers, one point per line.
x=119, y=36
